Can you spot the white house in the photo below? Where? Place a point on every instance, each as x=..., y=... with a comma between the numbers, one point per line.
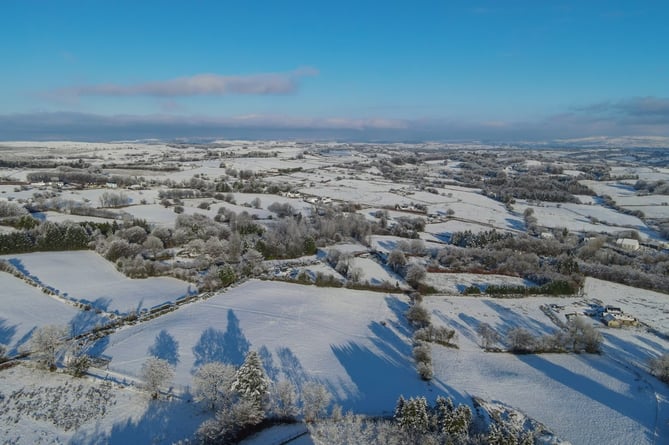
x=628, y=243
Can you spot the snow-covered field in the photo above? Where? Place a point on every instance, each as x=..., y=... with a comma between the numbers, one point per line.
x=586, y=218
x=455, y=283
x=86, y=277
x=651, y=308
x=583, y=398
x=359, y=346
x=357, y=343
x=376, y=274
x=24, y=308
x=38, y=407
x=346, y=339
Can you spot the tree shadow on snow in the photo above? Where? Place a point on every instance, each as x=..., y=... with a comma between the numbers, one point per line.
x=510, y=319
x=377, y=375
x=7, y=332
x=592, y=389
x=85, y=320
x=291, y=366
x=467, y=330
x=165, y=347
x=268, y=363
x=22, y=341
x=162, y=422
x=228, y=347
x=399, y=308
x=515, y=224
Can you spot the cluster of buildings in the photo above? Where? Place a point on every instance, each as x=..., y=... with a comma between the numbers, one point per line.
x=612, y=316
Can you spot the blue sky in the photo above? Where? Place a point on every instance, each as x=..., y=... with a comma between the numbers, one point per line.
x=348, y=69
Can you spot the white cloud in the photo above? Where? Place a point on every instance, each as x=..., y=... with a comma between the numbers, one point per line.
x=196, y=85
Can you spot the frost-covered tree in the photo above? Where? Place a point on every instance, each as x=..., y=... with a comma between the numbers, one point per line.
x=417, y=247
x=10, y=209
x=252, y=262
x=422, y=352
x=520, y=340
x=112, y=199
x=46, y=343
x=459, y=421
x=418, y=315
x=315, y=400
x=399, y=406
x=76, y=358
x=659, y=367
x=442, y=412
x=79, y=364
x=153, y=244
x=212, y=384
x=251, y=383
x=414, y=417
x=489, y=336
x=355, y=274
x=229, y=421
x=284, y=400
x=156, y=372
x=583, y=336
x=425, y=370
x=396, y=260
x=215, y=248
x=415, y=274
x=433, y=334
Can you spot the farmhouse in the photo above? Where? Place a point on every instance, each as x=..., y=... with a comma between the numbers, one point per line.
x=628, y=243
x=614, y=320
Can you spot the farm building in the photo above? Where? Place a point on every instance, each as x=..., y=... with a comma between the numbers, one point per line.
x=628, y=243
x=614, y=320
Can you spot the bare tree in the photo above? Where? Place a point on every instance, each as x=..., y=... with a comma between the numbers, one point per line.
x=520, y=340
x=489, y=336
x=111, y=199
x=211, y=384
x=76, y=357
x=355, y=274
x=583, y=336
x=396, y=260
x=46, y=343
x=284, y=399
x=315, y=400
x=156, y=372
x=415, y=274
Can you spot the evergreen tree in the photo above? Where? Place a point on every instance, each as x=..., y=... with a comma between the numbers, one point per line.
x=460, y=420
x=443, y=411
x=414, y=418
x=251, y=382
x=399, y=407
